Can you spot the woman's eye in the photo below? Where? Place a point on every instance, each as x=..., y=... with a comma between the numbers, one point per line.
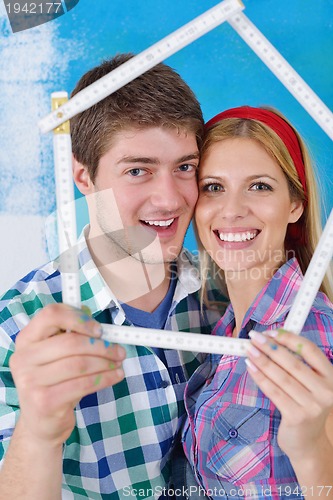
x=212, y=188
x=136, y=172
x=261, y=186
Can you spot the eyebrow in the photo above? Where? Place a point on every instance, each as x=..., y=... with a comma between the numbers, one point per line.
x=146, y=160
x=250, y=178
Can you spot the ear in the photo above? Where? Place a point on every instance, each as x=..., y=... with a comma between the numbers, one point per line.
x=296, y=210
x=82, y=178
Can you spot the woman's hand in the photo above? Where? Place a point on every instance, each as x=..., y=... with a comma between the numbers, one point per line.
x=298, y=378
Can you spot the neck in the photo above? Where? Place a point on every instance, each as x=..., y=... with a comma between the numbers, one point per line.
x=132, y=281
x=243, y=289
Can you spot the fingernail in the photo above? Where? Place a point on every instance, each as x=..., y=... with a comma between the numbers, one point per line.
x=111, y=365
x=273, y=346
x=250, y=365
x=299, y=349
x=281, y=331
x=97, y=329
x=259, y=337
x=253, y=350
x=272, y=333
x=119, y=372
x=106, y=343
x=86, y=310
x=92, y=340
x=98, y=379
x=84, y=318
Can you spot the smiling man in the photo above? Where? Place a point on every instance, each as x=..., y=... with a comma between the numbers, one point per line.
x=80, y=419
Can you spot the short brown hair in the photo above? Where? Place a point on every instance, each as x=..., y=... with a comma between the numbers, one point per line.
x=158, y=98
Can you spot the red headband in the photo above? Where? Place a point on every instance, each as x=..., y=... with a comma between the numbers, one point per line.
x=288, y=137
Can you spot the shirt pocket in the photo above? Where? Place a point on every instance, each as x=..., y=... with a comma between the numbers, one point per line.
x=239, y=450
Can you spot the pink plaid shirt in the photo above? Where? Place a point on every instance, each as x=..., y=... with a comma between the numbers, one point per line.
x=230, y=437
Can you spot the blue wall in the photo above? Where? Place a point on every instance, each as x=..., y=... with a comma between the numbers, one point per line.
x=222, y=70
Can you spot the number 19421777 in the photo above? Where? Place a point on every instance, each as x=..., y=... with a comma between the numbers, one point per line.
x=34, y=8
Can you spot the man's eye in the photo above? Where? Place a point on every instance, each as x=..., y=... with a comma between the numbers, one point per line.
x=136, y=172
x=187, y=168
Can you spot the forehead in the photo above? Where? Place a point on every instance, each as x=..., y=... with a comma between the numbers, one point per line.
x=161, y=143
x=241, y=154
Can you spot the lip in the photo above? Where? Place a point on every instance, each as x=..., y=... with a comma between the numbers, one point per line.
x=164, y=232
x=236, y=245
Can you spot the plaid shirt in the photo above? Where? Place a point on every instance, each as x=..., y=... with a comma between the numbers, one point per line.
x=120, y=446
x=231, y=433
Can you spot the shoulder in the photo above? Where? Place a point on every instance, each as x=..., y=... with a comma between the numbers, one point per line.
x=188, y=295
x=321, y=313
x=31, y=293
x=319, y=324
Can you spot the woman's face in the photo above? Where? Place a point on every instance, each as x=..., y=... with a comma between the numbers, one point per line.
x=244, y=206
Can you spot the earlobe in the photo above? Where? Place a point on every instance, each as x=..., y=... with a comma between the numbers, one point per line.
x=81, y=177
x=297, y=209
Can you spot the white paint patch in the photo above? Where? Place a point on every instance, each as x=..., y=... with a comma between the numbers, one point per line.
x=31, y=67
x=22, y=247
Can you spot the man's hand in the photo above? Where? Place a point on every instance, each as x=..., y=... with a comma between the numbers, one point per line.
x=58, y=360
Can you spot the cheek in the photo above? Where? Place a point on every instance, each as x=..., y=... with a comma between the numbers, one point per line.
x=204, y=212
x=191, y=194
x=203, y=219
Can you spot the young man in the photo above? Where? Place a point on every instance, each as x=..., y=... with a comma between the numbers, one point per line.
x=77, y=424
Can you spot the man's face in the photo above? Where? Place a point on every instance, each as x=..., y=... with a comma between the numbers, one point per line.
x=145, y=191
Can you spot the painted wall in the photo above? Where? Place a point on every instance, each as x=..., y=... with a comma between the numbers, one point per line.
x=222, y=70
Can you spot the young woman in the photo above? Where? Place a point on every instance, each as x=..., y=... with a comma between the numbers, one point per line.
x=260, y=427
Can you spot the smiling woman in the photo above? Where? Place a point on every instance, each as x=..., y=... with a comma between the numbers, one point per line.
x=247, y=207
x=260, y=424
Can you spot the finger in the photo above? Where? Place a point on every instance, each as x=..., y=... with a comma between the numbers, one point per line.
x=302, y=346
x=67, y=392
x=68, y=369
x=290, y=371
x=287, y=406
x=69, y=344
x=293, y=364
x=55, y=317
x=283, y=381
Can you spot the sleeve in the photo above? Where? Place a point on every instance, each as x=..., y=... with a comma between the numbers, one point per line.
x=319, y=329
x=9, y=404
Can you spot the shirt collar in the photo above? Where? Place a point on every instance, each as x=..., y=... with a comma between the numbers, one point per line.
x=95, y=293
x=273, y=302
x=188, y=276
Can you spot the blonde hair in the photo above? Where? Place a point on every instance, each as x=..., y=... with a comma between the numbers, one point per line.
x=311, y=218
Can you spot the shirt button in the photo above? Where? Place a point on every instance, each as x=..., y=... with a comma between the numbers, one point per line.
x=164, y=384
x=233, y=433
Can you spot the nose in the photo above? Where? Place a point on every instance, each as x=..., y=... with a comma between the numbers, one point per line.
x=167, y=194
x=234, y=206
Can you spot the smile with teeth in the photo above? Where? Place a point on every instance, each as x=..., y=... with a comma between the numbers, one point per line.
x=244, y=236
x=160, y=223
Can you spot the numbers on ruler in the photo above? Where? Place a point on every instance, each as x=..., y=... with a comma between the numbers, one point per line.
x=167, y=46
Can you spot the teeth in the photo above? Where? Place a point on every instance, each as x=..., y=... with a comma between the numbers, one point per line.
x=161, y=223
x=238, y=236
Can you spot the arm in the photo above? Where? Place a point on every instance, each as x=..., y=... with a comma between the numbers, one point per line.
x=54, y=365
x=304, y=395
x=32, y=468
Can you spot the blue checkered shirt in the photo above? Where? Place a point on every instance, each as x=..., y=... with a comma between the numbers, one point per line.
x=120, y=445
